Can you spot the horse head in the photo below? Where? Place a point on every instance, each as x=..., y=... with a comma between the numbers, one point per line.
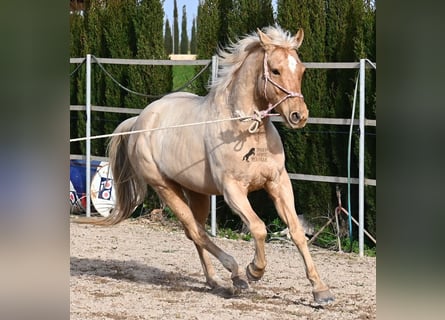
x=280, y=83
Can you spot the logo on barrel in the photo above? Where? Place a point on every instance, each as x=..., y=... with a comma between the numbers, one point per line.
x=105, y=188
x=73, y=197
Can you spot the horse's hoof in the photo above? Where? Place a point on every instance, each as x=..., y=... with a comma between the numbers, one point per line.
x=250, y=276
x=240, y=283
x=224, y=292
x=323, y=297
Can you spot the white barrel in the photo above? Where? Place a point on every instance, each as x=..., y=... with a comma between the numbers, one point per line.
x=76, y=205
x=102, y=190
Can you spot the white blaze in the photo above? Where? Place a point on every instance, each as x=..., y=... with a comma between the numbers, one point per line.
x=292, y=63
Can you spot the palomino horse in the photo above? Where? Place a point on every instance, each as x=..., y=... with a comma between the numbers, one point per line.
x=187, y=164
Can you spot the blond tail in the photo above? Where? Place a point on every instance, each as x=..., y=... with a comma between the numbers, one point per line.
x=130, y=190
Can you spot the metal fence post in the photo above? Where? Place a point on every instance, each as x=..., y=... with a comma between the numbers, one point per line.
x=361, y=170
x=213, y=197
x=88, y=134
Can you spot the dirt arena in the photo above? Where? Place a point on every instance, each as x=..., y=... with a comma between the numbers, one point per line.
x=142, y=269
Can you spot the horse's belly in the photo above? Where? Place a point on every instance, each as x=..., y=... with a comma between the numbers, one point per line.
x=194, y=177
x=187, y=165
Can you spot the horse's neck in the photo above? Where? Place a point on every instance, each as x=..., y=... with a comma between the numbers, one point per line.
x=243, y=98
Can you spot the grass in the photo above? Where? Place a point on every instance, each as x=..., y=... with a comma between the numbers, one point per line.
x=234, y=235
x=329, y=240
x=367, y=251
x=181, y=75
x=326, y=239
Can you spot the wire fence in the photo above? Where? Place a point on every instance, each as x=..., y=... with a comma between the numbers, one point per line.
x=361, y=122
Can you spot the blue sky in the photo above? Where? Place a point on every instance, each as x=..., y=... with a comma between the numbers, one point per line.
x=191, y=7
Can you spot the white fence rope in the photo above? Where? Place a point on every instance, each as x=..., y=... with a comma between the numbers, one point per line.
x=160, y=128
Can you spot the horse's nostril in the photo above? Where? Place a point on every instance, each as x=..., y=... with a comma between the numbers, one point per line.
x=295, y=116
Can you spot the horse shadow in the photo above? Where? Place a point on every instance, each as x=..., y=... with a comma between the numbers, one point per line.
x=134, y=271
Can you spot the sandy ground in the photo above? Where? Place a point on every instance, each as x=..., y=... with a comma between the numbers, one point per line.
x=141, y=269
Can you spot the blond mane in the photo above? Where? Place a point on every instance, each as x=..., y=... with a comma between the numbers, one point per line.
x=232, y=57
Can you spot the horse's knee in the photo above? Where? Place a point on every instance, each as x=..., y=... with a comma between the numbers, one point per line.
x=258, y=231
x=298, y=236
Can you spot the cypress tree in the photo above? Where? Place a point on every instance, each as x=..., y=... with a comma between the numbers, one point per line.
x=118, y=30
x=248, y=15
x=208, y=24
x=122, y=29
x=363, y=15
x=77, y=79
x=364, y=47
x=265, y=14
x=168, y=40
x=321, y=196
x=147, y=22
x=226, y=13
x=306, y=150
x=95, y=44
x=285, y=14
x=175, y=29
x=193, y=38
x=295, y=142
x=340, y=82
x=184, y=35
x=150, y=44
x=350, y=36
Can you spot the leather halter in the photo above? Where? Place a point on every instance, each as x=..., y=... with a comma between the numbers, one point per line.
x=289, y=94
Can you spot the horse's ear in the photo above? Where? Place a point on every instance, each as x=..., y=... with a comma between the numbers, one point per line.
x=299, y=36
x=265, y=41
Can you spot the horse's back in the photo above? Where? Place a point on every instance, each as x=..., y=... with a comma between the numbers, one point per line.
x=174, y=108
x=181, y=94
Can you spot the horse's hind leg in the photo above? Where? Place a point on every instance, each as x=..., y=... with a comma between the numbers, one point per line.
x=282, y=195
x=172, y=195
x=200, y=206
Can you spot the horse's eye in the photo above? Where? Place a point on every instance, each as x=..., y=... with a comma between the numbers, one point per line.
x=276, y=72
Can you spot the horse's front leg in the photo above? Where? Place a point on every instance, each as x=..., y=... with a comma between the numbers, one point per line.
x=236, y=198
x=172, y=195
x=282, y=195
